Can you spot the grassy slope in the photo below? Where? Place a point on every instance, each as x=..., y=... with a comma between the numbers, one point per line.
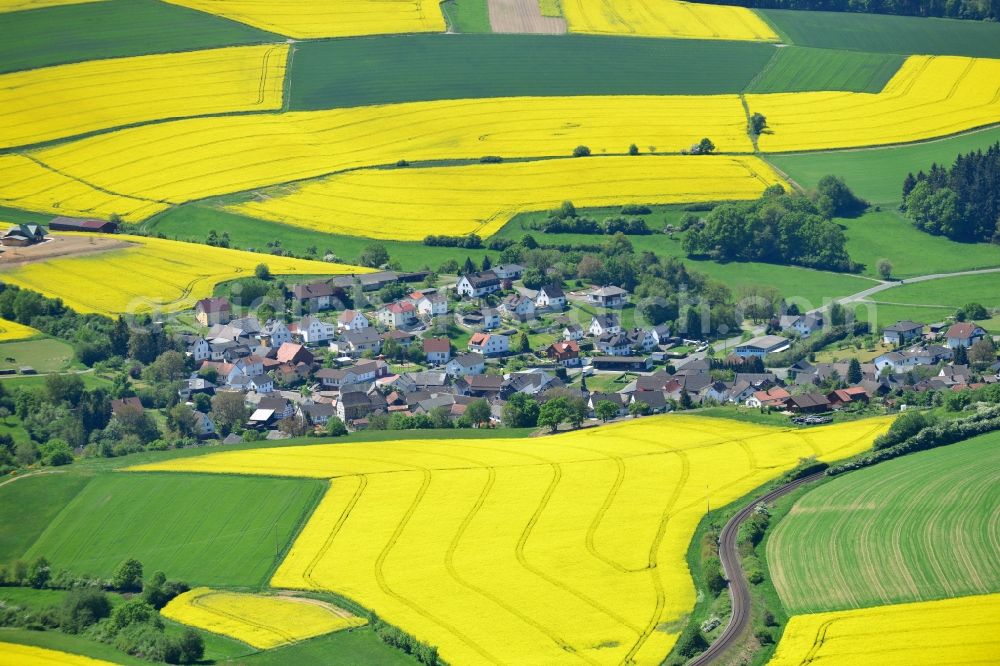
x=877, y=174
x=28, y=505
x=344, y=648
x=112, y=29
x=802, y=69
x=932, y=301
x=43, y=354
x=887, y=234
x=402, y=68
x=467, y=15
x=162, y=521
x=916, y=528
x=887, y=34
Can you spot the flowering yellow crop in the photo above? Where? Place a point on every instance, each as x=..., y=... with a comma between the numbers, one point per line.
x=965, y=630
x=310, y=19
x=28, y=185
x=22, y=5
x=54, y=102
x=260, y=621
x=665, y=18
x=929, y=96
x=407, y=204
x=200, y=157
x=11, y=331
x=151, y=274
x=13, y=654
x=535, y=551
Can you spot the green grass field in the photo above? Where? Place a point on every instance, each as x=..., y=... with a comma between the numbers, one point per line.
x=933, y=300
x=113, y=29
x=887, y=234
x=344, y=648
x=403, y=68
x=467, y=15
x=42, y=354
x=882, y=33
x=877, y=174
x=28, y=505
x=795, y=68
x=200, y=529
x=912, y=529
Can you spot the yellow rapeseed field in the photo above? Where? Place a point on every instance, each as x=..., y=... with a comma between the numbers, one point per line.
x=964, y=631
x=310, y=19
x=55, y=102
x=200, y=157
x=407, y=204
x=28, y=185
x=929, y=96
x=13, y=654
x=563, y=550
x=260, y=621
x=11, y=331
x=22, y=5
x=151, y=274
x=665, y=18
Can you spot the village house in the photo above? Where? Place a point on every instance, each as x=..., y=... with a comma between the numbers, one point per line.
x=565, y=353
x=902, y=332
x=362, y=372
x=641, y=340
x=573, y=332
x=654, y=400
x=204, y=427
x=466, y=364
x=430, y=305
x=520, y=308
x=489, y=344
x=807, y=403
x=477, y=285
x=613, y=344
x=619, y=401
x=318, y=413
x=661, y=334
x=805, y=325
x=964, y=334
x=491, y=319
x=437, y=350
x=550, y=297
x=356, y=342
x=397, y=315
x=607, y=297
x=773, y=397
x=294, y=354
x=479, y=386
x=352, y=320
x=126, y=404
x=312, y=331
x=763, y=345
x=315, y=296
x=212, y=311
x=622, y=363
x=275, y=333
x=841, y=398
x=604, y=324
x=199, y=350
x=508, y=271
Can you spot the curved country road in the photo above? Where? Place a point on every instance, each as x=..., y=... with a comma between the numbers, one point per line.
x=739, y=590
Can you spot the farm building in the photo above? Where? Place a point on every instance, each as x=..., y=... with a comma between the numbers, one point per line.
x=77, y=224
x=23, y=235
x=763, y=345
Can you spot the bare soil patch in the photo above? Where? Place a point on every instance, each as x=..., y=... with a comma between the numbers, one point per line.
x=59, y=246
x=523, y=17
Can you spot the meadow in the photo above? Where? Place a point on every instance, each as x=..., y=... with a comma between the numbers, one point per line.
x=262, y=621
x=881, y=33
x=196, y=158
x=28, y=505
x=795, y=68
x=877, y=174
x=668, y=18
x=113, y=29
x=421, y=531
x=304, y=19
x=122, y=91
x=930, y=96
x=42, y=354
x=399, y=204
x=916, y=528
x=931, y=633
x=463, y=16
x=162, y=521
x=408, y=68
x=935, y=299
x=11, y=331
x=163, y=274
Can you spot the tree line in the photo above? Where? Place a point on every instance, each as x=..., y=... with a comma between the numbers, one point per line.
x=961, y=202
x=960, y=9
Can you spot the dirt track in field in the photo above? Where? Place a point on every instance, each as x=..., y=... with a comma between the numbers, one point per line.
x=58, y=246
x=523, y=17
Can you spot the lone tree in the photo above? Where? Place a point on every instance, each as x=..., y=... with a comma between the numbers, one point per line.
x=884, y=267
x=128, y=576
x=605, y=410
x=705, y=147
x=757, y=123
x=374, y=256
x=581, y=151
x=854, y=374
x=263, y=272
x=633, y=149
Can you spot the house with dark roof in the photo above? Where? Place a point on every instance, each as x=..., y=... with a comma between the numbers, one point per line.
x=314, y=296
x=437, y=350
x=477, y=285
x=550, y=297
x=807, y=402
x=763, y=345
x=23, y=235
x=964, y=334
x=212, y=311
x=83, y=225
x=902, y=332
x=607, y=297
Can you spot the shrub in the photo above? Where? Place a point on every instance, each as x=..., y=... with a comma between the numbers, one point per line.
x=82, y=608
x=581, y=151
x=691, y=642
x=128, y=576
x=714, y=578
